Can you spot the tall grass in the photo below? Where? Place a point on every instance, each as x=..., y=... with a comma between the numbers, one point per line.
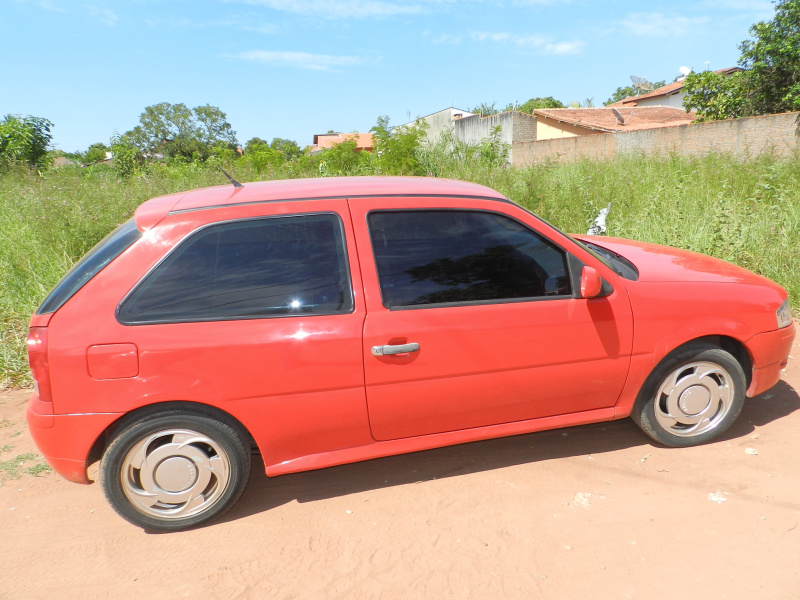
x=744, y=212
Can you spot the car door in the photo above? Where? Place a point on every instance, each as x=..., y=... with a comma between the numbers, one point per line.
x=472, y=321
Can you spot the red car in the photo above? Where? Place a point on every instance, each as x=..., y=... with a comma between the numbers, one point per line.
x=330, y=321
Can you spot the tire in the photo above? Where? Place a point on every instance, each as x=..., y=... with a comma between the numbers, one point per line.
x=171, y=469
x=691, y=397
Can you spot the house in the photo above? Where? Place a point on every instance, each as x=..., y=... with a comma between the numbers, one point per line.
x=667, y=95
x=513, y=126
x=572, y=122
x=323, y=141
x=471, y=128
x=443, y=120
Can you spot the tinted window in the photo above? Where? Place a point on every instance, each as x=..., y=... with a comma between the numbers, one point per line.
x=432, y=257
x=246, y=269
x=90, y=265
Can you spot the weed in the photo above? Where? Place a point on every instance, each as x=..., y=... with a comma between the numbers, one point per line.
x=747, y=212
x=13, y=467
x=39, y=469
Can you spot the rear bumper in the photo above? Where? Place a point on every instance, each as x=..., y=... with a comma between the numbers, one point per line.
x=65, y=441
x=770, y=353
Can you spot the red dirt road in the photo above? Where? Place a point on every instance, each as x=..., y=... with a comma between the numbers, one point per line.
x=593, y=512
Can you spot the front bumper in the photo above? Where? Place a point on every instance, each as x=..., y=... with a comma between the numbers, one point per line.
x=770, y=354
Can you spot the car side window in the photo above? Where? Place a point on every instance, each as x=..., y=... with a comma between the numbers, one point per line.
x=429, y=257
x=277, y=266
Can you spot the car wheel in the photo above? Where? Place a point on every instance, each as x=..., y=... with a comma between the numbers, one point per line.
x=694, y=395
x=171, y=469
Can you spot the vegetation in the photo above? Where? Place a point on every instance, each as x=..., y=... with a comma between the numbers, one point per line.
x=13, y=468
x=486, y=109
x=24, y=141
x=744, y=212
x=175, y=130
x=770, y=82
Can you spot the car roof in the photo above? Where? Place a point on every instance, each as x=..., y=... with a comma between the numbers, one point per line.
x=152, y=211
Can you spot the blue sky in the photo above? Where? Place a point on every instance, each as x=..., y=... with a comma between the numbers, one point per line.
x=293, y=68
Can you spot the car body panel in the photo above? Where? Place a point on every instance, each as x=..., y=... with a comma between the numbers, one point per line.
x=307, y=387
x=512, y=363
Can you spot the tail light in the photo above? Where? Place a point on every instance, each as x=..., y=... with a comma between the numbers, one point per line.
x=40, y=366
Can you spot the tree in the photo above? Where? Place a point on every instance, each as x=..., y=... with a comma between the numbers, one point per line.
x=95, y=153
x=485, y=109
x=254, y=143
x=24, y=139
x=772, y=61
x=716, y=95
x=397, y=148
x=126, y=157
x=289, y=148
x=178, y=131
x=770, y=82
x=535, y=103
x=626, y=92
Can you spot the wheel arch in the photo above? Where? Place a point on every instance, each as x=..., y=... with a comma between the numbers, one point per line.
x=731, y=345
x=104, y=439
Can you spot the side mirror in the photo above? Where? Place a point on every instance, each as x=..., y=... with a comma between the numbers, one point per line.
x=591, y=282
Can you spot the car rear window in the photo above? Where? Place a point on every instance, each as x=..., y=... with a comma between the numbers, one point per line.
x=276, y=266
x=90, y=265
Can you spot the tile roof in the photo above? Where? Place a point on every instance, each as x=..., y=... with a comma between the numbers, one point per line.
x=665, y=90
x=604, y=119
x=324, y=141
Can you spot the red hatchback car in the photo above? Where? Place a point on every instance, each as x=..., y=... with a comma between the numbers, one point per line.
x=336, y=320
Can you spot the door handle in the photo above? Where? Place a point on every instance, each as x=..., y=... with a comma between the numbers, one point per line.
x=399, y=349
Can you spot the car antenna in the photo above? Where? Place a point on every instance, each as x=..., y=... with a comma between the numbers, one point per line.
x=235, y=183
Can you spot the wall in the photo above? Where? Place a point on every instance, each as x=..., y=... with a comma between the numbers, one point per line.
x=439, y=122
x=675, y=101
x=515, y=127
x=741, y=137
x=548, y=129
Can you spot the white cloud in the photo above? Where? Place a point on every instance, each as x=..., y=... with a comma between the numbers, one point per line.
x=564, y=48
x=105, y=15
x=339, y=9
x=540, y=43
x=659, y=25
x=301, y=60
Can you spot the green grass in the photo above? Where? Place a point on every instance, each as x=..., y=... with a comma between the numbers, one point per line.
x=13, y=467
x=744, y=212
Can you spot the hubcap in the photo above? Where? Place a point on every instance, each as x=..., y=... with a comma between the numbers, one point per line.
x=694, y=399
x=175, y=473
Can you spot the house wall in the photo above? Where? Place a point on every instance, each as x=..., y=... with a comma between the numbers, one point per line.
x=515, y=127
x=746, y=137
x=549, y=129
x=438, y=122
x=676, y=101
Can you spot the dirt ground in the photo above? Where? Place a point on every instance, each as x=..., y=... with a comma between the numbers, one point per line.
x=593, y=512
